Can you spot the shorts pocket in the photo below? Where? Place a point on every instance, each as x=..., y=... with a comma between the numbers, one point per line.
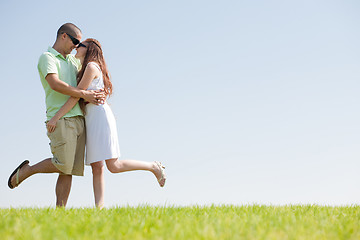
x=56, y=138
x=56, y=147
x=70, y=123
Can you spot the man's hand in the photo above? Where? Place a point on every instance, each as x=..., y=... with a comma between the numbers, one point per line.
x=95, y=97
x=51, y=125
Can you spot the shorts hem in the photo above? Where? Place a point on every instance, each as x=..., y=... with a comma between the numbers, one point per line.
x=62, y=172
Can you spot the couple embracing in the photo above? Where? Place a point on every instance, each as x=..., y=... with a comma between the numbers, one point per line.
x=84, y=118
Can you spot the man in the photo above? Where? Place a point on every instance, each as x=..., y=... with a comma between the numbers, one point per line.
x=58, y=69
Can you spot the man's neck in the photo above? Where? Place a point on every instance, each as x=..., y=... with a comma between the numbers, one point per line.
x=59, y=49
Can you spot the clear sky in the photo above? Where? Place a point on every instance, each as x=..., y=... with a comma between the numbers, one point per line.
x=243, y=101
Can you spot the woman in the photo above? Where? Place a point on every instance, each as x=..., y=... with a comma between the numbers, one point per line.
x=101, y=133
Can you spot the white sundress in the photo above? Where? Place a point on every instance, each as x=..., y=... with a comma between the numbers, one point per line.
x=101, y=132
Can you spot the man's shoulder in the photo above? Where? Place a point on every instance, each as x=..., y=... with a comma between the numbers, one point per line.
x=46, y=56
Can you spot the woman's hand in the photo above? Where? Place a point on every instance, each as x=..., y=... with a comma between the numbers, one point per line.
x=51, y=125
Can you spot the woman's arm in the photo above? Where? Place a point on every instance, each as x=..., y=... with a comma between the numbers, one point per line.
x=90, y=73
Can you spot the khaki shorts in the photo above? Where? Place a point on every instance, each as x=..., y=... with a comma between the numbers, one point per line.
x=67, y=145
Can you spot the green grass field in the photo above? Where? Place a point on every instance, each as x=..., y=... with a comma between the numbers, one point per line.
x=212, y=222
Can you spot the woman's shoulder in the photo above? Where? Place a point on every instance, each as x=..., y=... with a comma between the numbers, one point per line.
x=93, y=69
x=93, y=64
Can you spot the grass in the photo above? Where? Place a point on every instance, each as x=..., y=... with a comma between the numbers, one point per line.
x=213, y=222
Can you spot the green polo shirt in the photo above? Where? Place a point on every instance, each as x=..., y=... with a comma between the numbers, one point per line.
x=66, y=69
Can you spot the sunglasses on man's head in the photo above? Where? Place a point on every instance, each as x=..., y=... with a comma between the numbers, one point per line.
x=74, y=40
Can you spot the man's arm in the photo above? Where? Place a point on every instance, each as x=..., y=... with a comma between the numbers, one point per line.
x=90, y=73
x=57, y=85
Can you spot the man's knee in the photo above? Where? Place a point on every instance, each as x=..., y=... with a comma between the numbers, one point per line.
x=64, y=177
x=64, y=180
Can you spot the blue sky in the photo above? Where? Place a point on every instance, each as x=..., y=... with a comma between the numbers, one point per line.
x=243, y=101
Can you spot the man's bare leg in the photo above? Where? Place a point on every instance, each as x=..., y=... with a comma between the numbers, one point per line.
x=63, y=186
x=45, y=166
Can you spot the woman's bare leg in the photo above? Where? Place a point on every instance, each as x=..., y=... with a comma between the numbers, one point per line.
x=98, y=183
x=117, y=166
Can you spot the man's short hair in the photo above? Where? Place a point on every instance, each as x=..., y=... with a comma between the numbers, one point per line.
x=68, y=28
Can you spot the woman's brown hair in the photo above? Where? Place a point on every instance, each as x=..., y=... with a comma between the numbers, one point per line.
x=94, y=54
